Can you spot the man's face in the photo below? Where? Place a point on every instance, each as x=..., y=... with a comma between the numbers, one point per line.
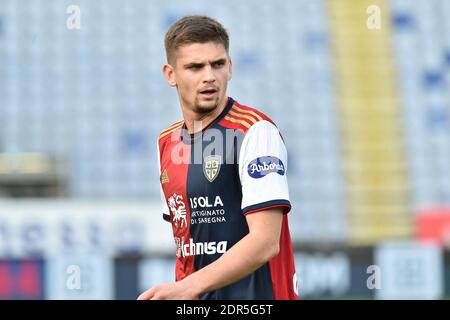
x=201, y=72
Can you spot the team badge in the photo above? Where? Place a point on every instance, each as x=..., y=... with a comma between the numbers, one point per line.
x=178, y=209
x=211, y=167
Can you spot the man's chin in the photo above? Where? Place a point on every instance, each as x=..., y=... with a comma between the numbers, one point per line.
x=205, y=107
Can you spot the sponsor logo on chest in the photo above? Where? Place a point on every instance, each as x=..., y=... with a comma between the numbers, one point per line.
x=204, y=202
x=207, y=211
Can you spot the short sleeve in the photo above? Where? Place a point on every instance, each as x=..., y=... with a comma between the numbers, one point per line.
x=263, y=169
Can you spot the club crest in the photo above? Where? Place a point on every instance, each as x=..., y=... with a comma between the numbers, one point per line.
x=211, y=167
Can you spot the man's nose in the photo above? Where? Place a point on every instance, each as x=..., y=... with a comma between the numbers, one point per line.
x=209, y=75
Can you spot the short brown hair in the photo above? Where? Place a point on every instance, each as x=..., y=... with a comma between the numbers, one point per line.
x=194, y=29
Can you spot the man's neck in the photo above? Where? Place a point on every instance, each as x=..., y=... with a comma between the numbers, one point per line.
x=196, y=122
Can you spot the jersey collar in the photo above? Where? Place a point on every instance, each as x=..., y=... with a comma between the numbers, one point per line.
x=188, y=138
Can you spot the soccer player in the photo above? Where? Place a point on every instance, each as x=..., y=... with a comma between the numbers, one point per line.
x=223, y=179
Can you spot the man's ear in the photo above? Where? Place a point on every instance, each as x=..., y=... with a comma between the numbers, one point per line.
x=169, y=73
x=230, y=69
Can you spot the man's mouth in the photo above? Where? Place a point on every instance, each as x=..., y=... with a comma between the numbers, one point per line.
x=208, y=92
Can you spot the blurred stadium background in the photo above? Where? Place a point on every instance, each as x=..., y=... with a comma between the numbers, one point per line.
x=365, y=114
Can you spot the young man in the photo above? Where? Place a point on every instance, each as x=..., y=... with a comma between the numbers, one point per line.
x=223, y=179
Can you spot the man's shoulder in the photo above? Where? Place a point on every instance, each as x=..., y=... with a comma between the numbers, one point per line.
x=243, y=117
x=170, y=129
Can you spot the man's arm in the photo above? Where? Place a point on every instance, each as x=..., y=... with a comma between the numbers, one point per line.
x=259, y=246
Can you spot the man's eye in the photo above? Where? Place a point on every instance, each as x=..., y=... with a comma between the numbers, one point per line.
x=220, y=64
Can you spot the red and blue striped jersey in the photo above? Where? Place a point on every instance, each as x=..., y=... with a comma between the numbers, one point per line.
x=211, y=180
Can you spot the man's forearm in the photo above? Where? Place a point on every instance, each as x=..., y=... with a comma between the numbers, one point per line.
x=250, y=253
